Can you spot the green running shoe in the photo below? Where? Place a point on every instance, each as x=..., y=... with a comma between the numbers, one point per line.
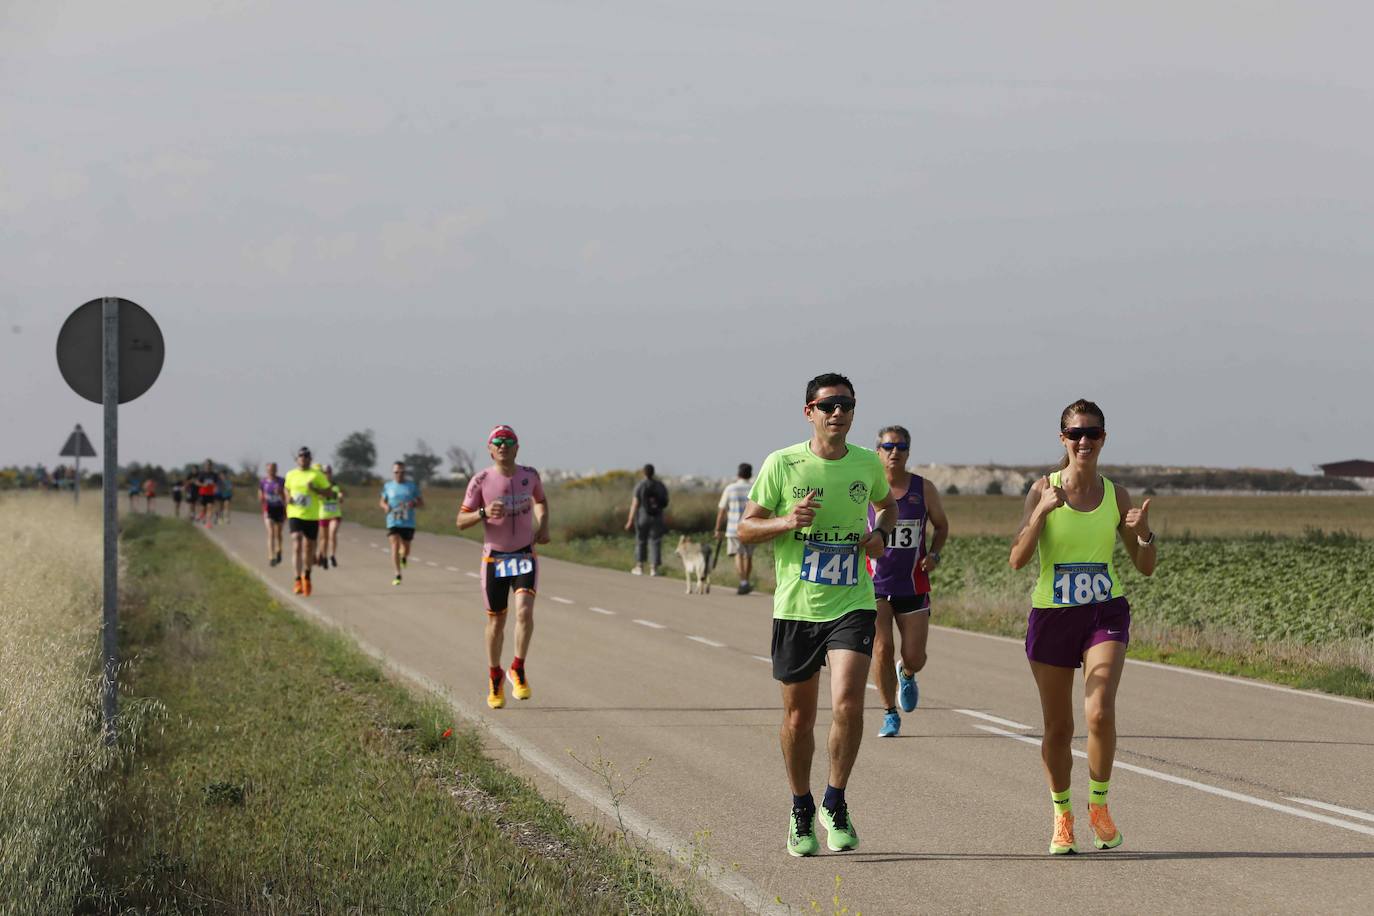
x=840, y=832
x=801, y=833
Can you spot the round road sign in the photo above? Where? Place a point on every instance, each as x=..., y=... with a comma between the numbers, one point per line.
x=80, y=357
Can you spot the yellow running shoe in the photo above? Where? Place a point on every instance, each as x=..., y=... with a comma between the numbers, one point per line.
x=1105, y=833
x=1061, y=844
x=496, y=697
x=519, y=684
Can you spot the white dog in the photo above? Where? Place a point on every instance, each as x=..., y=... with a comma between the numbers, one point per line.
x=696, y=561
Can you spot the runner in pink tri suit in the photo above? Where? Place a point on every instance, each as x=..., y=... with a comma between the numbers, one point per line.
x=901, y=579
x=508, y=499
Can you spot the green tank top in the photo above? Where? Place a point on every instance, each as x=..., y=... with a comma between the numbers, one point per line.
x=1075, y=551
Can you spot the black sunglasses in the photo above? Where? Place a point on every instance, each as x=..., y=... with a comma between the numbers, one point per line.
x=830, y=405
x=891, y=446
x=1074, y=433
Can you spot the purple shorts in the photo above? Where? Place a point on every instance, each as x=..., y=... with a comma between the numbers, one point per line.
x=1060, y=635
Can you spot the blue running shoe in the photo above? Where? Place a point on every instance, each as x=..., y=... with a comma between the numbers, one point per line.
x=892, y=724
x=908, y=694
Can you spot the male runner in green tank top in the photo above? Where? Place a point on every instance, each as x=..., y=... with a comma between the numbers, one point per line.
x=812, y=500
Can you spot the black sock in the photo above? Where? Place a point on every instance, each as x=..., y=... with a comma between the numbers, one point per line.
x=806, y=802
x=891, y=709
x=834, y=798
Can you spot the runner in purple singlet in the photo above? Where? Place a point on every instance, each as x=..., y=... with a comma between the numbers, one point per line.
x=272, y=497
x=901, y=578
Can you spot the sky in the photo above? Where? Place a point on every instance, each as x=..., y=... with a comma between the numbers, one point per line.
x=634, y=230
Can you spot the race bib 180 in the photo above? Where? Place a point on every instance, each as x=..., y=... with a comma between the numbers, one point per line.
x=520, y=564
x=1081, y=583
x=829, y=564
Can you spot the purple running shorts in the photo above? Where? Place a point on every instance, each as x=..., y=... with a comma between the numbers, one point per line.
x=1060, y=635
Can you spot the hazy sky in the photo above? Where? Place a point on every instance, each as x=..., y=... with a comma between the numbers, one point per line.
x=634, y=230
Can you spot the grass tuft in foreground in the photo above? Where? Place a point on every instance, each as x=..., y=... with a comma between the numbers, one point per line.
x=290, y=775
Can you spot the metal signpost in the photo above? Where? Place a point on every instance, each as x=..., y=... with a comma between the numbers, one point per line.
x=110, y=351
x=77, y=447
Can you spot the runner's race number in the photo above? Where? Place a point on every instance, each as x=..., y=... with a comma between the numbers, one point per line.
x=829, y=564
x=903, y=537
x=301, y=500
x=518, y=565
x=1081, y=583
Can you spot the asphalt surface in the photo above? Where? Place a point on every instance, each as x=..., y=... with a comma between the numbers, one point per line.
x=1233, y=796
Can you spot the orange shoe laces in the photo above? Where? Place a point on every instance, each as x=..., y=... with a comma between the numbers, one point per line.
x=1063, y=829
x=1101, y=820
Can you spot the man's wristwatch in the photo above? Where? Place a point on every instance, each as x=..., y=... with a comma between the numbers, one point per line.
x=934, y=555
x=482, y=512
x=883, y=531
x=1145, y=542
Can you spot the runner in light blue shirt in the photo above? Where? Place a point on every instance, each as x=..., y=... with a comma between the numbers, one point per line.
x=400, y=499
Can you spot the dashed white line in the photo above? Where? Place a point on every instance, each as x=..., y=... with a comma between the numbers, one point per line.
x=760, y=658
x=472, y=575
x=987, y=718
x=452, y=569
x=1200, y=786
x=707, y=642
x=602, y=610
x=561, y=600
x=430, y=563
x=371, y=544
x=1348, y=812
x=872, y=686
x=650, y=624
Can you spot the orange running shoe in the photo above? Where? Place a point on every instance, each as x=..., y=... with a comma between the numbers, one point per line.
x=496, y=696
x=1061, y=844
x=519, y=684
x=296, y=587
x=1105, y=833
x=306, y=583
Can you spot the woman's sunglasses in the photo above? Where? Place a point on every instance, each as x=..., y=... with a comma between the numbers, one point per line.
x=830, y=405
x=1074, y=433
x=894, y=446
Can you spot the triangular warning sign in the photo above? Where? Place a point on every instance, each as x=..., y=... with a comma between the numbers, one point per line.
x=77, y=444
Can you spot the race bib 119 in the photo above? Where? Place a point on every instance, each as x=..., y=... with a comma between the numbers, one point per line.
x=1081, y=583
x=520, y=564
x=829, y=564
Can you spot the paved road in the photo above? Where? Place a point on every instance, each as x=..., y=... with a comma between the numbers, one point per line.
x=1234, y=797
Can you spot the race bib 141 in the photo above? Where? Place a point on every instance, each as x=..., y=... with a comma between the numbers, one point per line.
x=830, y=564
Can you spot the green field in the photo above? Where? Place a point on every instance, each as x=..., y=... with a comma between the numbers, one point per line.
x=284, y=773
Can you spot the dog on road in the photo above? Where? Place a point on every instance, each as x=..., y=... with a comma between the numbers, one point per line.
x=696, y=561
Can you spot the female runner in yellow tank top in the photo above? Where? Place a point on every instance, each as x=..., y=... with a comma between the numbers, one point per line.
x=1079, y=615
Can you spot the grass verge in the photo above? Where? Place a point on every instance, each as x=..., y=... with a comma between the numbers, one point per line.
x=288, y=774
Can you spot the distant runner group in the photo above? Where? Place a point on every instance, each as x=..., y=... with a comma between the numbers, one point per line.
x=853, y=559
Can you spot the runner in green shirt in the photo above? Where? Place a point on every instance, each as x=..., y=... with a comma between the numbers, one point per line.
x=813, y=499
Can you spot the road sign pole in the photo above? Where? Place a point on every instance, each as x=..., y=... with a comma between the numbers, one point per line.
x=110, y=394
x=76, y=490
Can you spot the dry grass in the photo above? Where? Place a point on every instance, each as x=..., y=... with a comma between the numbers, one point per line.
x=52, y=759
x=1194, y=516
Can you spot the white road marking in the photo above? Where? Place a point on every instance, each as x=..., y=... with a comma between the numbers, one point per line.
x=650, y=624
x=1179, y=669
x=602, y=610
x=987, y=718
x=373, y=545
x=872, y=686
x=430, y=563
x=707, y=642
x=1348, y=812
x=1200, y=786
x=452, y=569
x=762, y=659
x=561, y=600
x=472, y=575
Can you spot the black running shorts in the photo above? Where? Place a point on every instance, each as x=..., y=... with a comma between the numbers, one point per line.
x=275, y=513
x=799, y=646
x=908, y=604
x=405, y=534
x=310, y=527
x=504, y=571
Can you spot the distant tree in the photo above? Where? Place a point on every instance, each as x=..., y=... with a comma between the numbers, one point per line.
x=994, y=488
x=422, y=463
x=460, y=461
x=248, y=466
x=356, y=455
x=951, y=490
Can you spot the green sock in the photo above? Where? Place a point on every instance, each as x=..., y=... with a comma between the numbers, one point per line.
x=1062, y=805
x=1097, y=791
